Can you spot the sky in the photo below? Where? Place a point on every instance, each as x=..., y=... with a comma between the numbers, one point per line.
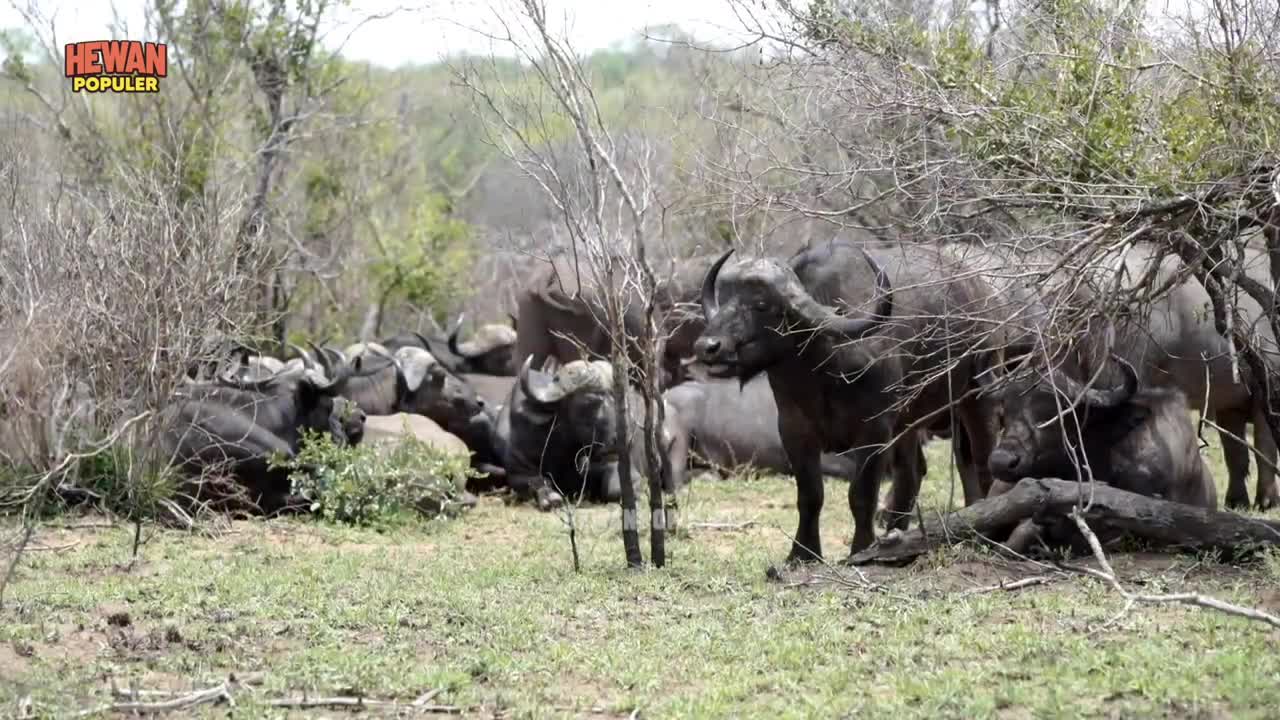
x=421, y=31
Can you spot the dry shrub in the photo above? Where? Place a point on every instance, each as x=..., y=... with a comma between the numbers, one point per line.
x=108, y=293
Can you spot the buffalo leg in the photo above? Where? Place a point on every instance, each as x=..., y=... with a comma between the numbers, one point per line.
x=1265, y=444
x=1236, y=455
x=908, y=457
x=805, y=457
x=972, y=446
x=864, y=492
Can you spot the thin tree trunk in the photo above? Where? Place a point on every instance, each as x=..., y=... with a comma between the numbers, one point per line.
x=621, y=366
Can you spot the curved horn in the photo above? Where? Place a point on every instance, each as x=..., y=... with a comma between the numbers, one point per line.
x=857, y=327
x=709, y=303
x=325, y=365
x=308, y=361
x=382, y=353
x=1102, y=398
x=453, y=337
x=826, y=319
x=541, y=397
x=258, y=385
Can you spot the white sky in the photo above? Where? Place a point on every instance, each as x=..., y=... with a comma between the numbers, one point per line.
x=424, y=30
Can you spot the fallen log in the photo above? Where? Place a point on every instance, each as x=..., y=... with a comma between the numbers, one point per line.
x=1110, y=511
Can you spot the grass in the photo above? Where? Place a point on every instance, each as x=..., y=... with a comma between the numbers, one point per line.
x=488, y=609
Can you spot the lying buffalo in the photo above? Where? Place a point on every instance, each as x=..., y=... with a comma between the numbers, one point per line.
x=490, y=351
x=236, y=426
x=410, y=381
x=392, y=429
x=852, y=384
x=730, y=425
x=1140, y=440
x=557, y=434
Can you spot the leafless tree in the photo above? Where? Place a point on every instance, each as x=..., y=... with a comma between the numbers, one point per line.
x=603, y=190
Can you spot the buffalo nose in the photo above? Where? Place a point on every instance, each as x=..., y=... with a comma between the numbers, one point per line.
x=707, y=348
x=480, y=402
x=1003, y=461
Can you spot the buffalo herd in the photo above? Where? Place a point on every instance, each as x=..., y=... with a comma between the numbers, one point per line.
x=838, y=361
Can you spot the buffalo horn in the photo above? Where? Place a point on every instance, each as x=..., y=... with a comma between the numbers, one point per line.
x=325, y=365
x=855, y=328
x=453, y=336
x=1102, y=398
x=540, y=397
x=709, y=303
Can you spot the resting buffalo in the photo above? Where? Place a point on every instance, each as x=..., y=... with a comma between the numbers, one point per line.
x=410, y=381
x=1170, y=339
x=728, y=425
x=557, y=434
x=556, y=311
x=490, y=351
x=1140, y=440
x=853, y=384
x=238, y=425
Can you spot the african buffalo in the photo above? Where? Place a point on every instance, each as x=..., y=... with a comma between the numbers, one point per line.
x=391, y=429
x=1170, y=338
x=1136, y=439
x=410, y=381
x=853, y=384
x=729, y=425
x=238, y=425
x=490, y=351
x=557, y=434
x=554, y=305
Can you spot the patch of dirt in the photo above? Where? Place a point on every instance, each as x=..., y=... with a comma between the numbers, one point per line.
x=15, y=661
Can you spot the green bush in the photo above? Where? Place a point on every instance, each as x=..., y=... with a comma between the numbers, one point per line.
x=377, y=485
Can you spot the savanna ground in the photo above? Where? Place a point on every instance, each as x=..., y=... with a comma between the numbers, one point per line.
x=487, y=610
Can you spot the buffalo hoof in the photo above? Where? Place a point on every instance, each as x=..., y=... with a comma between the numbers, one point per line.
x=799, y=558
x=1237, y=502
x=549, y=499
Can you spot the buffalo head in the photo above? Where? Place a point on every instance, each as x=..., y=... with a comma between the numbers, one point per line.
x=490, y=351
x=311, y=398
x=427, y=388
x=1050, y=425
x=574, y=409
x=758, y=314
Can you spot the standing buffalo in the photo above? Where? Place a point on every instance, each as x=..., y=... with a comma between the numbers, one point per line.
x=557, y=434
x=557, y=312
x=853, y=383
x=1140, y=440
x=239, y=425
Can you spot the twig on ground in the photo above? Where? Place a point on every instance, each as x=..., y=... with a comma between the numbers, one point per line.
x=728, y=527
x=1108, y=575
x=55, y=548
x=360, y=702
x=214, y=694
x=1011, y=586
x=427, y=697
